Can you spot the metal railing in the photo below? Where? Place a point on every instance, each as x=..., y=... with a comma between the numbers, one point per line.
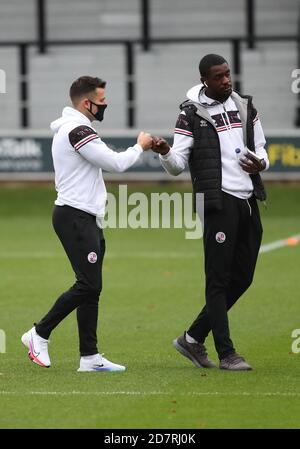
x=129, y=69
x=145, y=42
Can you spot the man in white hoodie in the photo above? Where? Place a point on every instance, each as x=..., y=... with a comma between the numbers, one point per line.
x=218, y=133
x=79, y=156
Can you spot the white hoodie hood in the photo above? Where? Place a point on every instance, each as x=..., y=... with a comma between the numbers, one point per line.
x=69, y=115
x=193, y=93
x=197, y=94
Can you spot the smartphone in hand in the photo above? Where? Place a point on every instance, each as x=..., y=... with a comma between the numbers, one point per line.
x=251, y=155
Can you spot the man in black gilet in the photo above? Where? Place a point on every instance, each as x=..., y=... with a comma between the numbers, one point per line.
x=218, y=133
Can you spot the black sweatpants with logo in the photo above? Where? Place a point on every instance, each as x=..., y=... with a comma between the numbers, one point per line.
x=84, y=245
x=232, y=238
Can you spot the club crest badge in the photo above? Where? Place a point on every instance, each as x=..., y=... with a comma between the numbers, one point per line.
x=220, y=237
x=92, y=257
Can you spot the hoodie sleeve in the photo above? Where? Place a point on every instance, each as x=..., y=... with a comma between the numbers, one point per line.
x=260, y=141
x=175, y=161
x=87, y=142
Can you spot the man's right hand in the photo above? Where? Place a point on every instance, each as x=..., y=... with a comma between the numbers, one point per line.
x=145, y=140
x=160, y=145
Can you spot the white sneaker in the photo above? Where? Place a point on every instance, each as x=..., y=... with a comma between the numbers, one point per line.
x=98, y=363
x=38, y=348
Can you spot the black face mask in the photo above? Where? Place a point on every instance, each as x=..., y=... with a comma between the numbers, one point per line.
x=100, y=113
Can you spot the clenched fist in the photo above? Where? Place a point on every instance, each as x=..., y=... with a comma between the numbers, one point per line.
x=160, y=145
x=145, y=140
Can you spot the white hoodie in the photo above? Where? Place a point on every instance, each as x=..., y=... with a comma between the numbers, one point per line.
x=235, y=180
x=78, y=174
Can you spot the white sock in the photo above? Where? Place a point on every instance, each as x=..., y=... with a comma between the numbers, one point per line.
x=190, y=339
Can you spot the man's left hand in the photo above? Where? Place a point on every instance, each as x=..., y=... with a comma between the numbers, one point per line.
x=252, y=165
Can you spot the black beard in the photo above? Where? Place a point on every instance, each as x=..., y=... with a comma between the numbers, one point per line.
x=224, y=98
x=219, y=98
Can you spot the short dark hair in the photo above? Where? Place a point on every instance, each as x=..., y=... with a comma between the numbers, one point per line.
x=85, y=85
x=209, y=61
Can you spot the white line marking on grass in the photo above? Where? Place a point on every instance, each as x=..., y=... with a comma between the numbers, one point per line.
x=151, y=393
x=290, y=241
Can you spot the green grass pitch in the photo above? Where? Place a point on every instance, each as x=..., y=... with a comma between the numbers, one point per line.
x=153, y=289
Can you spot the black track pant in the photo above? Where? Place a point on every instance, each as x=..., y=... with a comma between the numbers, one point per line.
x=229, y=266
x=85, y=246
